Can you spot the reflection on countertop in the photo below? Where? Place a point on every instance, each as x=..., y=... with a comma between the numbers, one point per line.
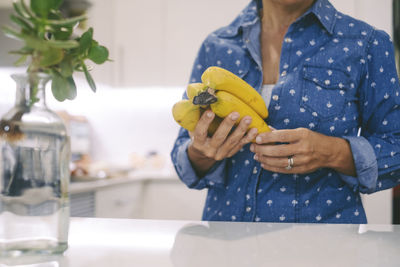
x=116, y=242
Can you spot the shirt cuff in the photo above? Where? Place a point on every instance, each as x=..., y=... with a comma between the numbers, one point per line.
x=216, y=176
x=365, y=163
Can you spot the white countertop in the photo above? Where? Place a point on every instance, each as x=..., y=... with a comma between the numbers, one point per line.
x=119, y=242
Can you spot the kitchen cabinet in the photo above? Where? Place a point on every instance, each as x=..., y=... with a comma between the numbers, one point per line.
x=136, y=198
x=171, y=200
x=107, y=198
x=83, y=204
x=120, y=201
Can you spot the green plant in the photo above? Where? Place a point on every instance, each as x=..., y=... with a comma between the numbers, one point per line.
x=51, y=47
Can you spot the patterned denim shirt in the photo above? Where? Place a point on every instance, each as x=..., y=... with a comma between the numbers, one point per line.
x=337, y=77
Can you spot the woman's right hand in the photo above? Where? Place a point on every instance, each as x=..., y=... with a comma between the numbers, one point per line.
x=205, y=151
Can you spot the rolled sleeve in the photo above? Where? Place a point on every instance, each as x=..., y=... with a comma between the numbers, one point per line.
x=365, y=163
x=215, y=177
x=375, y=153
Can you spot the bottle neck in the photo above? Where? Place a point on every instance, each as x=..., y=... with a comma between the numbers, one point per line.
x=31, y=89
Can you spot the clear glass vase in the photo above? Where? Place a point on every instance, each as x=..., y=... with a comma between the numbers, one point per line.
x=34, y=174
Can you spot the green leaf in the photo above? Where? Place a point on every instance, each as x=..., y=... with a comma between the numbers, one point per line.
x=27, y=10
x=11, y=33
x=22, y=51
x=62, y=33
x=35, y=43
x=21, y=22
x=89, y=78
x=68, y=44
x=66, y=68
x=72, y=88
x=98, y=54
x=67, y=22
x=55, y=15
x=51, y=56
x=86, y=41
x=42, y=8
x=63, y=88
x=21, y=61
x=19, y=9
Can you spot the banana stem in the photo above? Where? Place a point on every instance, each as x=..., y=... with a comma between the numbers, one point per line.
x=205, y=98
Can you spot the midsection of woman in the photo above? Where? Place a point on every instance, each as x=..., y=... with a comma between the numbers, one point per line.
x=335, y=75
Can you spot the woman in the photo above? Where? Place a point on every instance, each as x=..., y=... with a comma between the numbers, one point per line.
x=332, y=91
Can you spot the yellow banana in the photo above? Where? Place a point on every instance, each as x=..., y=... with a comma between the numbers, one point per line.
x=225, y=93
x=186, y=114
x=227, y=103
x=194, y=89
x=224, y=80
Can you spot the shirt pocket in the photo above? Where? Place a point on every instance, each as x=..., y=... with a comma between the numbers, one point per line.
x=324, y=91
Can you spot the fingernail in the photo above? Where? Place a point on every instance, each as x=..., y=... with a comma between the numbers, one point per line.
x=235, y=116
x=253, y=132
x=210, y=114
x=255, y=157
x=248, y=121
x=262, y=165
x=258, y=139
x=252, y=148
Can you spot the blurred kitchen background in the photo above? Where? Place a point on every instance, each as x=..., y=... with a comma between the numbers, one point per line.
x=122, y=135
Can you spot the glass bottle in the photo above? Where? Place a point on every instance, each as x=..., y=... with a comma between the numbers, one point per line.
x=34, y=174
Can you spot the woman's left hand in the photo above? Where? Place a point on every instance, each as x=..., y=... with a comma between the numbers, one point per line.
x=309, y=151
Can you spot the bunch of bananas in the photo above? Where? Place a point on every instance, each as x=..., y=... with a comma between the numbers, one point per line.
x=224, y=93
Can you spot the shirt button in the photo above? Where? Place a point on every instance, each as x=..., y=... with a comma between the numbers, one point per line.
x=275, y=97
x=248, y=209
x=247, y=40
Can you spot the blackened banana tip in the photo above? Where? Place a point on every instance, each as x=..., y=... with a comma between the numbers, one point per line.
x=204, y=98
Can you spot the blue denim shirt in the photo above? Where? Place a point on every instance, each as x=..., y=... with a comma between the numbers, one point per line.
x=337, y=77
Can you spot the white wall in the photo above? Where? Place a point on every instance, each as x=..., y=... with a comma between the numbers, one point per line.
x=123, y=121
x=154, y=43
x=375, y=12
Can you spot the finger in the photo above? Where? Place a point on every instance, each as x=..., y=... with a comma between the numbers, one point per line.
x=280, y=136
x=272, y=161
x=251, y=134
x=234, y=138
x=224, y=129
x=278, y=170
x=238, y=133
x=191, y=135
x=275, y=150
x=200, y=132
x=294, y=170
x=281, y=162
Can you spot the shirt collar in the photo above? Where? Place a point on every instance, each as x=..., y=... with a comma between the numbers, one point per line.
x=322, y=9
x=325, y=13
